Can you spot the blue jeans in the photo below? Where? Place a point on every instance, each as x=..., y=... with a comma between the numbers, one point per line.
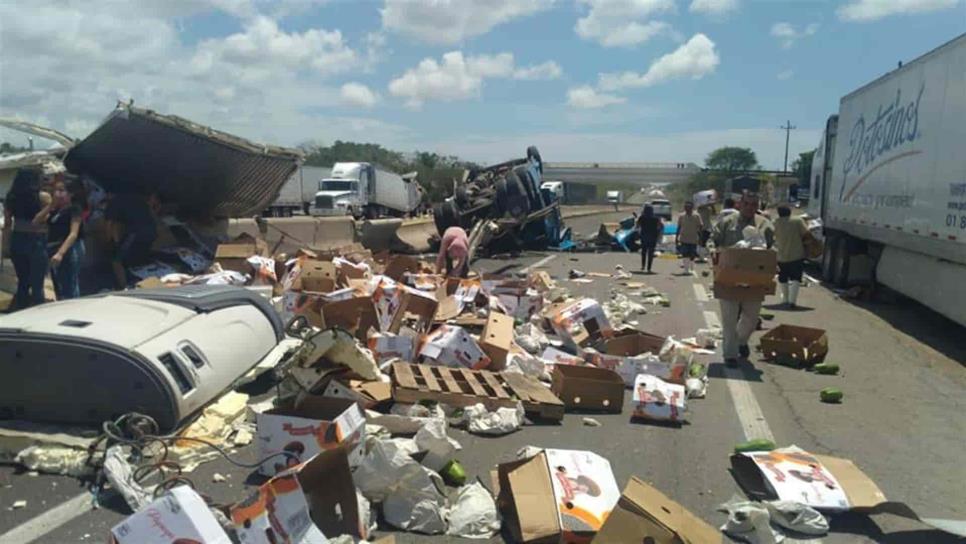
x=66, y=275
x=28, y=252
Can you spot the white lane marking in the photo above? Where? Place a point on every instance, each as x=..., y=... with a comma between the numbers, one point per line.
x=539, y=263
x=750, y=416
x=42, y=524
x=699, y=292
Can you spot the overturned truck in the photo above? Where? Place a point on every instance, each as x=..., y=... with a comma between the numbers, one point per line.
x=509, y=195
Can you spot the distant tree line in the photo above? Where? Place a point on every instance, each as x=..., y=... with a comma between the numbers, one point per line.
x=436, y=173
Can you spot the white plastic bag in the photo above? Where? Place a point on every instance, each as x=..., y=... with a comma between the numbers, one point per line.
x=749, y=522
x=440, y=449
x=474, y=514
x=479, y=420
x=797, y=517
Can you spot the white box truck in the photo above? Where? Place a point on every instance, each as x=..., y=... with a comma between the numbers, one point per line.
x=889, y=183
x=361, y=190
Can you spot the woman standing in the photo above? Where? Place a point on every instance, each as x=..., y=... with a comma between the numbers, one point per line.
x=27, y=209
x=65, y=242
x=652, y=229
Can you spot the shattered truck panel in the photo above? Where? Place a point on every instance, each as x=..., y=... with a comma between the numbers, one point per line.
x=202, y=170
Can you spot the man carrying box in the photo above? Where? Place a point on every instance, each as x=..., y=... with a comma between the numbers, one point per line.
x=739, y=317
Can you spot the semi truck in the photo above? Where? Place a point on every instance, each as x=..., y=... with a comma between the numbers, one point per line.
x=298, y=193
x=889, y=183
x=362, y=190
x=571, y=193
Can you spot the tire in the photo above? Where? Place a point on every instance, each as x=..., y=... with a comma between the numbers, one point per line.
x=533, y=153
x=828, y=258
x=841, y=269
x=445, y=215
x=516, y=203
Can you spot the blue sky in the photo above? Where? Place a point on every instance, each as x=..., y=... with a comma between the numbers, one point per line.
x=584, y=80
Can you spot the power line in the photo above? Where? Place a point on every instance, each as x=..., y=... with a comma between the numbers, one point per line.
x=788, y=128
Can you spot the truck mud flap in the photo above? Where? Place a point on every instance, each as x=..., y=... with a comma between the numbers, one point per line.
x=289, y=234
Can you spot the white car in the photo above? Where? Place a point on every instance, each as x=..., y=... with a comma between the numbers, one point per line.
x=662, y=209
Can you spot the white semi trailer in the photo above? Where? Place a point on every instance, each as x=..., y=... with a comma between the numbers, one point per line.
x=362, y=190
x=889, y=182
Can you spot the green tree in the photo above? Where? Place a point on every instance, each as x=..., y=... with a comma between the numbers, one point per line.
x=7, y=147
x=731, y=159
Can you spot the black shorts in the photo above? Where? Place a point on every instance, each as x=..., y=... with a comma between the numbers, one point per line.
x=792, y=270
x=689, y=251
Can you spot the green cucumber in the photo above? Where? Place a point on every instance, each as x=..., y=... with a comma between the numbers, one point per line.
x=453, y=473
x=826, y=368
x=831, y=394
x=758, y=444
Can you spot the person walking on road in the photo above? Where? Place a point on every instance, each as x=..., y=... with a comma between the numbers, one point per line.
x=65, y=242
x=26, y=208
x=651, y=229
x=688, y=236
x=454, y=252
x=789, y=233
x=740, y=317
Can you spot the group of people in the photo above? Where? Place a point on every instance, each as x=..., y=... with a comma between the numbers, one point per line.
x=786, y=235
x=44, y=220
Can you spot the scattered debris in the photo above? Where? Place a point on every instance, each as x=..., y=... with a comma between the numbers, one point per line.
x=18, y=504
x=591, y=422
x=503, y=420
x=218, y=478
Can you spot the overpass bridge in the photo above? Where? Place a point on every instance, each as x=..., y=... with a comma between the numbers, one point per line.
x=629, y=173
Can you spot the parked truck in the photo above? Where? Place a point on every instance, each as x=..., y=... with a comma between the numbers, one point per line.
x=569, y=192
x=298, y=193
x=889, y=183
x=361, y=190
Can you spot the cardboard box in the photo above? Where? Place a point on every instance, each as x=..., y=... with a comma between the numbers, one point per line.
x=556, y=496
x=521, y=306
x=541, y=281
x=367, y=394
x=588, y=388
x=276, y=513
x=449, y=308
x=180, y=515
x=644, y=514
x=496, y=338
x=395, y=302
x=581, y=323
x=822, y=482
x=802, y=345
x=307, y=426
x=748, y=271
x=385, y=346
x=637, y=353
x=234, y=256
x=658, y=400
x=399, y=265
x=316, y=276
x=553, y=356
x=450, y=345
x=305, y=304
x=356, y=315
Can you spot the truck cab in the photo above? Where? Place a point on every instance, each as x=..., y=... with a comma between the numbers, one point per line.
x=344, y=192
x=615, y=197
x=555, y=188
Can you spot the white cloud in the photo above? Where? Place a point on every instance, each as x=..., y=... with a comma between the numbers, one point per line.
x=262, y=48
x=713, y=7
x=546, y=70
x=448, y=22
x=871, y=10
x=460, y=77
x=622, y=23
x=695, y=59
x=357, y=94
x=787, y=34
x=785, y=75
x=586, y=97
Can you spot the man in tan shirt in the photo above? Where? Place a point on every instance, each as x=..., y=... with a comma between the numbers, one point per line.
x=789, y=232
x=689, y=236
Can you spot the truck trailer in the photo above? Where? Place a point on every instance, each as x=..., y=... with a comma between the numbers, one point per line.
x=889, y=183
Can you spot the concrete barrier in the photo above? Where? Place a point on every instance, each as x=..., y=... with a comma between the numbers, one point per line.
x=416, y=236
x=288, y=234
x=378, y=234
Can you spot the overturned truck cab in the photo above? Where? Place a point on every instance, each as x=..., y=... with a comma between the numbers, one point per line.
x=510, y=195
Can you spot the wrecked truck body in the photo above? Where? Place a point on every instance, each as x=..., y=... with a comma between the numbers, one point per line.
x=202, y=171
x=510, y=195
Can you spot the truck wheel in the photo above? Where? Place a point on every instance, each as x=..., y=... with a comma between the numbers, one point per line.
x=828, y=258
x=533, y=153
x=841, y=268
x=445, y=216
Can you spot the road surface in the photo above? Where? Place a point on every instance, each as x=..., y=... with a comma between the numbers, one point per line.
x=901, y=421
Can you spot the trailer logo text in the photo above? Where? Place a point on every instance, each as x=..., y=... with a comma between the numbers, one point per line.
x=895, y=124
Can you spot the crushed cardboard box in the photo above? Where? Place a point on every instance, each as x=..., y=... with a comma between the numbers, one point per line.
x=452, y=346
x=581, y=323
x=644, y=514
x=179, y=515
x=556, y=495
x=276, y=513
x=303, y=427
x=658, y=400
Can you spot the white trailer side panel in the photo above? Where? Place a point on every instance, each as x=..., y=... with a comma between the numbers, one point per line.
x=899, y=170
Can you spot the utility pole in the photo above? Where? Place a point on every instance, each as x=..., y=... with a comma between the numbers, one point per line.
x=788, y=128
